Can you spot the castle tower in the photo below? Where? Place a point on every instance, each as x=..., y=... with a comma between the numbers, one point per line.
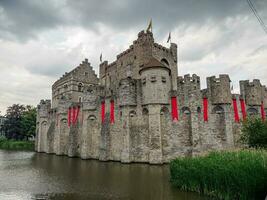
x=252, y=93
x=156, y=85
x=221, y=110
x=43, y=121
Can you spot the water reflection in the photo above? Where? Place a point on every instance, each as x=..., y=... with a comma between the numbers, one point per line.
x=27, y=175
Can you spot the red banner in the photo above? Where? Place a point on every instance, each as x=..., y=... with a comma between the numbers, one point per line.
x=76, y=114
x=243, y=109
x=112, y=115
x=69, y=117
x=236, y=111
x=205, y=109
x=174, y=109
x=103, y=111
x=263, y=116
x=73, y=115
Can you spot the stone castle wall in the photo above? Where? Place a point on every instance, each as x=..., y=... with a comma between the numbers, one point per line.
x=142, y=83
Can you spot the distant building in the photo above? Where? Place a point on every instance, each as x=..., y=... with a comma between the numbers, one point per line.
x=2, y=120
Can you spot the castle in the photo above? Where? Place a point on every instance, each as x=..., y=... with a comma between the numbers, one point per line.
x=140, y=110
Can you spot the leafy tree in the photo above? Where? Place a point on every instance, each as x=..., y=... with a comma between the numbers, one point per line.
x=28, y=122
x=254, y=133
x=12, y=124
x=20, y=122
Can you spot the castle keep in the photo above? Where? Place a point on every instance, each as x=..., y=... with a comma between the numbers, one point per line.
x=140, y=110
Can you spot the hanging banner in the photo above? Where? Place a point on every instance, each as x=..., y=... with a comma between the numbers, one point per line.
x=174, y=109
x=243, y=108
x=236, y=111
x=205, y=109
x=73, y=115
x=77, y=114
x=263, y=115
x=112, y=115
x=103, y=111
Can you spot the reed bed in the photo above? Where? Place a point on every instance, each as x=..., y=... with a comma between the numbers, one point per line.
x=232, y=175
x=16, y=145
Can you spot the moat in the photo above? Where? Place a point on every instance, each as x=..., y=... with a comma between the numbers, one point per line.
x=39, y=176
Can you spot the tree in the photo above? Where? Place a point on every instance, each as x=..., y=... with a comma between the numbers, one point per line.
x=28, y=122
x=12, y=124
x=20, y=122
x=254, y=133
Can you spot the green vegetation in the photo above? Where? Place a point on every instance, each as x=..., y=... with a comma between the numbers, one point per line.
x=254, y=133
x=20, y=123
x=224, y=175
x=16, y=145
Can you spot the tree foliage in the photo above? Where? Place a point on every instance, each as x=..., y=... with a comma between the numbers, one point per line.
x=20, y=122
x=254, y=133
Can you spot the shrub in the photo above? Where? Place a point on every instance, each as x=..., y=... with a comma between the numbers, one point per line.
x=225, y=175
x=16, y=145
x=254, y=133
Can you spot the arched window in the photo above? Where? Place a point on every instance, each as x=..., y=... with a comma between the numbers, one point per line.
x=164, y=61
x=164, y=110
x=218, y=110
x=92, y=117
x=186, y=110
x=252, y=111
x=198, y=110
x=80, y=86
x=132, y=113
x=65, y=87
x=145, y=111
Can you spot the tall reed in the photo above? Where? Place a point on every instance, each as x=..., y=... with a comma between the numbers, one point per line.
x=225, y=175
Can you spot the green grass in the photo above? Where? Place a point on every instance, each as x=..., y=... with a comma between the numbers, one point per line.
x=225, y=175
x=16, y=145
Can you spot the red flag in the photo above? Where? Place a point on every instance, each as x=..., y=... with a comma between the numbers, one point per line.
x=112, y=117
x=235, y=111
x=205, y=109
x=243, y=108
x=174, y=109
x=103, y=111
x=263, y=116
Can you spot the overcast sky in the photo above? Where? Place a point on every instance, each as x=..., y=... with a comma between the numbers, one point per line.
x=40, y=40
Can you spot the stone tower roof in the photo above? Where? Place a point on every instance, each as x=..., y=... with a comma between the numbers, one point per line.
x=153, y=63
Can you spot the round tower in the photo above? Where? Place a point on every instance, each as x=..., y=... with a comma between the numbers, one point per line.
x=156, y=82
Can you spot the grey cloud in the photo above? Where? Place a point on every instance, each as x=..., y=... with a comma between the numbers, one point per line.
x=28, y=17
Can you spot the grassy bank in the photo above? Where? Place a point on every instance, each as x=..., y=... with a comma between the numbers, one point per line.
x=16, y=145
x=224, y=175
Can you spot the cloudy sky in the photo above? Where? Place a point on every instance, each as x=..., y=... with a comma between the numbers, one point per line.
x=40, y=40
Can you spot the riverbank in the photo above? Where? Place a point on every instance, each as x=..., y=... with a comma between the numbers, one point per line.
x=224, y=175
x=16, y=145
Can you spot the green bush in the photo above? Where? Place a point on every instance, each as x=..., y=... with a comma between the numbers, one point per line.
x=225, y=175
x=254, y=133
x=16, y=145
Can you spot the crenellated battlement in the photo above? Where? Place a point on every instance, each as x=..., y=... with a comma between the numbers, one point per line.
x=219, y=89
x=251, y=91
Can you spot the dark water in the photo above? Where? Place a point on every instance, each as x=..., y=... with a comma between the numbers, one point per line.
x=28, y=175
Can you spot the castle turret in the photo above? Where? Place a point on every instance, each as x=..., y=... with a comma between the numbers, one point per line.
x=251, y=91
x=219, y=89
x=43, y=117
x=156, y=84
x=143, y=47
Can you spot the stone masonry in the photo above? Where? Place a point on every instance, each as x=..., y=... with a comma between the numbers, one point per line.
x=126, y=114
